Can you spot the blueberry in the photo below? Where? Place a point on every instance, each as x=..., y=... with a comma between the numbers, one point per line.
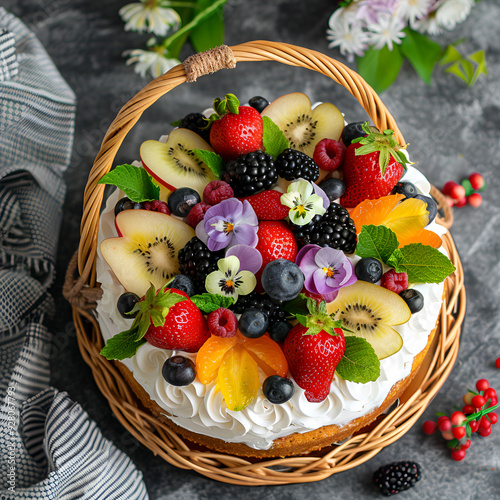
x=258, y=103
x=413, y=298
x=282, y=280
x=184, y=284
x=278, y=330
x=408, y=189
x=126, y=204
x=125, y=303
x=369, y=269
x=278, y=390
x=182, y=200
x=178, y=371
x=431, y=206
x=253, y=323
x=352, y=131
x=333, y=188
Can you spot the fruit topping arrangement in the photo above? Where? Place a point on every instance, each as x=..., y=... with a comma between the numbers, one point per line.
x=275, y=244
x=477, y=416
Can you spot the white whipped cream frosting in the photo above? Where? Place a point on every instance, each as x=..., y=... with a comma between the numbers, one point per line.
x=202, y=409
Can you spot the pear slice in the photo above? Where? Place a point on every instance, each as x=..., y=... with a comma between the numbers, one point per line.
x=305, y=127
x=146, y=250
x=173, y=163
x=370, y=311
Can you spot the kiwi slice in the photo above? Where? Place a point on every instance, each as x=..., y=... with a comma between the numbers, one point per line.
x=305, y=127
x=173, y=164
x=370, y=311
x=146, y=250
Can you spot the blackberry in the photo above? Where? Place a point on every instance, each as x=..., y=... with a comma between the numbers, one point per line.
x=396, y=477
x=251, y=173
x=292, y=164
x=197, y=262
x=196, y=123
x=333, y=229
x=263, y=303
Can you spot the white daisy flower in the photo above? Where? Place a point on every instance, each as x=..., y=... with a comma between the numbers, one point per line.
x=428, y=24
x=411, y=10
x=150, y=60
x=149, y=16
x=348, y=36
x=387, y=31
x=453, y=12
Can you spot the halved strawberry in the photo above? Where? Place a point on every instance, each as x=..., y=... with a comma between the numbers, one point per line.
x=267, y=205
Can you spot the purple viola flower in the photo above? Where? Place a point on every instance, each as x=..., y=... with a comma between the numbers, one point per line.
x=369, y=10
x=230, y=222
x=326, y=270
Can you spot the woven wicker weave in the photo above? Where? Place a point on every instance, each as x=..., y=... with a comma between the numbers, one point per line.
x=83, y=291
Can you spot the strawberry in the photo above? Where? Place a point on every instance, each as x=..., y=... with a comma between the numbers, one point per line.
x=313, y=351
x=267, y=205
x=276, y=241
x=168, y=319
x=372, y=167
x=236, y=130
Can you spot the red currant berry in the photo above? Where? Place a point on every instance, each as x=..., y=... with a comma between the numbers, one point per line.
x=466, y=446
x=468, y=410
x=467, y=399
x=461, y=202
x=484, y=423
x=482, y=384
x=493, y=418
x=497, y=363
x=484, y=432
x=458, y=455
x=458, y=432
x=489, y=393
x=457, y=418
x=478, y=401
x=474, y=426
x=454, y=190
x=429, y=427
x=476, y=181
x=448, y=435
x=444, y=424
x=474, y=200
x=493, y=402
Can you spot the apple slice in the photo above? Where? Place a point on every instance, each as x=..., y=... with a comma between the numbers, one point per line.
x=370, y=311
x=173, y=163
x=146, y=250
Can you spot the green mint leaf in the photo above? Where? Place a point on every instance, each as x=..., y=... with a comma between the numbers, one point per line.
x=135, y=182
x=376, y=241
x=273, y=138
x=380, y=67
x=422, y=53
x=297, y=306
x=208, y=302
x=424, y=264
x=359, y=363
x=122, y=346
x=395, y=259
x=213, y=161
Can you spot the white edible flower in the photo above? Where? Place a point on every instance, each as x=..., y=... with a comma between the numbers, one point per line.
x=453, y=12
x=152, y=16
x=346, y=33
x=150, y=60
x=411, y=10
x=387, y=31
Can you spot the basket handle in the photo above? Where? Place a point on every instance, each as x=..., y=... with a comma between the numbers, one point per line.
x=204, y=63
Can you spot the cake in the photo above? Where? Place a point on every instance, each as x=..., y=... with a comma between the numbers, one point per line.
x=269, y=390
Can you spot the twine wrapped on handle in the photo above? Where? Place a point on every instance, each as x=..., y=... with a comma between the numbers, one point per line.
x=157, y=436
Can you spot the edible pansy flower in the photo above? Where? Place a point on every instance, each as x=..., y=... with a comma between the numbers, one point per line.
x=326, y=270
x=230, y=222
x=303, y=203
x=230, y=280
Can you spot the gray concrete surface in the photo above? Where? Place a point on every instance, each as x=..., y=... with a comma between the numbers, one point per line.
x=453, y=130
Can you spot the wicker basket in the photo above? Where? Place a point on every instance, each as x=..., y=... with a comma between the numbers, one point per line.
x=83, y=290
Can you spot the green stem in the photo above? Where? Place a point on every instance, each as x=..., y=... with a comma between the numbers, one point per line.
x=479, y=414
x=188, y=5
x=193, y=23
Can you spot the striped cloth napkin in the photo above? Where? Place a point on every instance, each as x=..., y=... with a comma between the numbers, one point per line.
x=49, y=448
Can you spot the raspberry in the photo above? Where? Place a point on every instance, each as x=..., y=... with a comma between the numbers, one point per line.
x=197, y=213
x=395, y=282
x=217, y=191
x=329, y=154
x=222, y=322
x=156, y=206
